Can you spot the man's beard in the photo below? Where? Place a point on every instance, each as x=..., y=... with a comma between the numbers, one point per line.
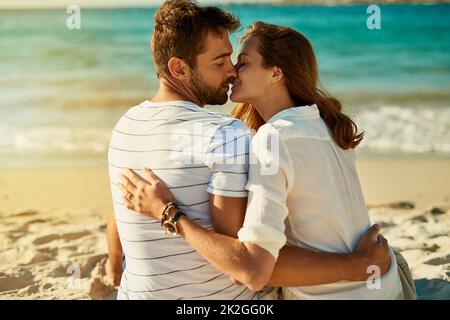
x=207, y=94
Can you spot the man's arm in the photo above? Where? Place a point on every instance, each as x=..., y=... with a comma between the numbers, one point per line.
x=225, y=221
x=114, y=263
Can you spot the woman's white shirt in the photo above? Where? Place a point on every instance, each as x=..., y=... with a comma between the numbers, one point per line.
x=304, y=191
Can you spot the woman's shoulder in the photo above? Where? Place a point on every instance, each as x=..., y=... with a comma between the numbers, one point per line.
x=282, y=128
x=268, y=130
x=292, y=128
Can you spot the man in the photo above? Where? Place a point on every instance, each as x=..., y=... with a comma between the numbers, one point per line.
x=188, y=148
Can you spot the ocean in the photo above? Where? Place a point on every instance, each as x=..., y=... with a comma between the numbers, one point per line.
x=62, y=90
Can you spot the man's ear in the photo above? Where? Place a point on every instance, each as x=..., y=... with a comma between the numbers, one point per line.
x=277, y=74
x=177, y=68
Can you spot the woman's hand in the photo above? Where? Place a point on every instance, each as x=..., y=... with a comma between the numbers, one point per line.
x=148, y=197
x=373, y=250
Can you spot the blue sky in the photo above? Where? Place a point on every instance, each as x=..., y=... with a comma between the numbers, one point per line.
x=103, y=3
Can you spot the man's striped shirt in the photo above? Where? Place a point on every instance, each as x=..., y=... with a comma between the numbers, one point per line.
x=195, y=152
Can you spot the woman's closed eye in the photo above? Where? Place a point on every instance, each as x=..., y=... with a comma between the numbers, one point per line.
x=240, y=65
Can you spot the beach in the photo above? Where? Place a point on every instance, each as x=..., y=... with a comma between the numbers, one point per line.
x=53, y=229
x=54, y=223
x=62, y=91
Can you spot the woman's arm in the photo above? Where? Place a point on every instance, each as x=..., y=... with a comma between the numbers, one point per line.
x=255, y=267
x=301, y=267
x=245, y=262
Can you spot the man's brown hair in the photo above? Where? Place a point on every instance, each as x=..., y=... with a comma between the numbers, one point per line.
x=181, y=28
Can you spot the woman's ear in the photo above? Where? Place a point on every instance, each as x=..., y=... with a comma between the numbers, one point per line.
x=277, y=74
x=177, y=68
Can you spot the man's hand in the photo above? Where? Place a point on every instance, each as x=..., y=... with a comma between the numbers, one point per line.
x=372, y=249
x=114, y=270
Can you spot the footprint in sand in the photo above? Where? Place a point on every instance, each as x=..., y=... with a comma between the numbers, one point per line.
x=65, y=236
x=432, y=248
x=28, y=290
x=91, y=263
x=419, y=218
x=25, y=213
x=38, y=256
x=439, y=234
x=15, y=235
x=36, y=221
x=402, y=205
x=439, y=261
x=84, y=264
x=20, y=279
x=26, y=225
x=385, y=225
x=437, y=211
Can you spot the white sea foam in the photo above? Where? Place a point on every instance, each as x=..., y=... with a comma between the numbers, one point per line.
x=388, y=130
x=393, y=129
x=54, y=139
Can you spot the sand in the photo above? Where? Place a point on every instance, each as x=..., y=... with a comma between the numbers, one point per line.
x=52, y=234
x=53, y=221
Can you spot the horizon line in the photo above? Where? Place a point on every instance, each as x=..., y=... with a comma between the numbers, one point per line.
x=334, y=3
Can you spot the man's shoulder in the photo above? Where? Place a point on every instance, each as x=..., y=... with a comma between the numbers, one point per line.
x=181, y=109
x=184, y=115
x=228, y=123
x=231, y=128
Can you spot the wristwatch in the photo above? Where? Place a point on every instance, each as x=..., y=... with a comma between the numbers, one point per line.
x=171, y=224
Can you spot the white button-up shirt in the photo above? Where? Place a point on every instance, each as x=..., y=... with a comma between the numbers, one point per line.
x=313, y=199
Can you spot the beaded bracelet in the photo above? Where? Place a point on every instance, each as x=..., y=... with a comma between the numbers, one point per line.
x=166, y=210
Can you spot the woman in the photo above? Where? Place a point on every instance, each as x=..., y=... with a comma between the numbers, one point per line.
x=303, y=188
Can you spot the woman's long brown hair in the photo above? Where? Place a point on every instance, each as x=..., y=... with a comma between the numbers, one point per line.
x=290, y=51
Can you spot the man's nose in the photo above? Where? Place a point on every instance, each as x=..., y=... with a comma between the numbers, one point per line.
x=232, y=73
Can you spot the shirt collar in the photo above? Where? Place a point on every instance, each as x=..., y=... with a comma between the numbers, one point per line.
x=303, y=112
x=184, y=104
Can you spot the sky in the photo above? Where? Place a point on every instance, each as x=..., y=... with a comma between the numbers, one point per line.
x=13, y=4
